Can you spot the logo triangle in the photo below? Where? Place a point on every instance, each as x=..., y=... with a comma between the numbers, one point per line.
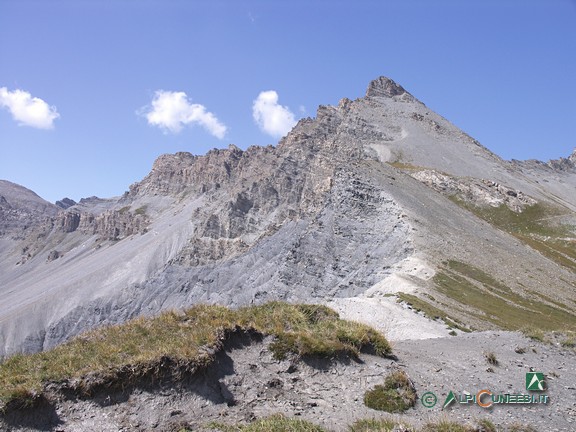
x=449, y=399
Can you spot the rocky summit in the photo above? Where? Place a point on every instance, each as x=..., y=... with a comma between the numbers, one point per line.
x=376, y=205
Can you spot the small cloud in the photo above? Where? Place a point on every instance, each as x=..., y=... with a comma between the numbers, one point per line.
x=302, y=109
x=28, y=110
x=172, y=111
x=272, y=118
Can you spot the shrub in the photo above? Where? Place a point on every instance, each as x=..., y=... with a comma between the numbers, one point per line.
x=396, y=395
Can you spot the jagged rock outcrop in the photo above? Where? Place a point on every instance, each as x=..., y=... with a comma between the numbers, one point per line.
x=109, y=225
x=114, y=224
x=65, y=203
x=69, y=221
x=478, y=192
x=385, y=87
x=172, y=174
x=564, y=164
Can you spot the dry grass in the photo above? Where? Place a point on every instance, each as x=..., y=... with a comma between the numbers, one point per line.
x=446, y=426
x=274, y=423
x=380, y=425
x=180, y=342
x=280, y=423
x=491, y=358
x=406, y=166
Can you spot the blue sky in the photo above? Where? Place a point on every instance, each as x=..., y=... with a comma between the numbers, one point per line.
x=119, y=82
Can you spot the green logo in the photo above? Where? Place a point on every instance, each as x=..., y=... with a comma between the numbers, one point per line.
x=535, y=381
x=428, y=399
x=449, y=399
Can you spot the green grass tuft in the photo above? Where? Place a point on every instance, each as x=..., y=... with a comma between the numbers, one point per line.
x=396, y=395
x=312, y=330
x=176, y=342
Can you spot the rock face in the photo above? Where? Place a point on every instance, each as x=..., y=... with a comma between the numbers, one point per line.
x=564, y=164
x=478, y=192
x=349, y=207
x=385, y=87
x=65, y=203
x=108, y=225
x=21, y=210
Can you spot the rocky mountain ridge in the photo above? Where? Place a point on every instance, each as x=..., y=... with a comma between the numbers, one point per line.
x=362, y=206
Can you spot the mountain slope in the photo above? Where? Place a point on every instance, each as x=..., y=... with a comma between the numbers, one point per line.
x=373, y=201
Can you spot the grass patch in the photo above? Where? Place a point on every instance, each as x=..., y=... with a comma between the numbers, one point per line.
x=532, y=226
x=430, y=310
x=521, y=428
x=485, y=425
x=396, y=395
x=569, y=342
x=144, y=347
x=406, y=166
x=379, y=425
x=534, y=333
x=274, y=423
x=446, y=426
x=312, y=330
x=478, y=275
x=493, y=300
x=141, y=210
x=496, y=303
x=280, y=423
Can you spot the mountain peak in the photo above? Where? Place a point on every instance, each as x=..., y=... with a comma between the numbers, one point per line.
x=384, y=87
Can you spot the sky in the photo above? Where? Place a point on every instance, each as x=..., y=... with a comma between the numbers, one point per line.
x=93, y=91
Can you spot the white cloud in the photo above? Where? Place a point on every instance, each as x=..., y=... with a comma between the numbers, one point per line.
x=28, y=110
x=172, y=111
x=274, y=119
